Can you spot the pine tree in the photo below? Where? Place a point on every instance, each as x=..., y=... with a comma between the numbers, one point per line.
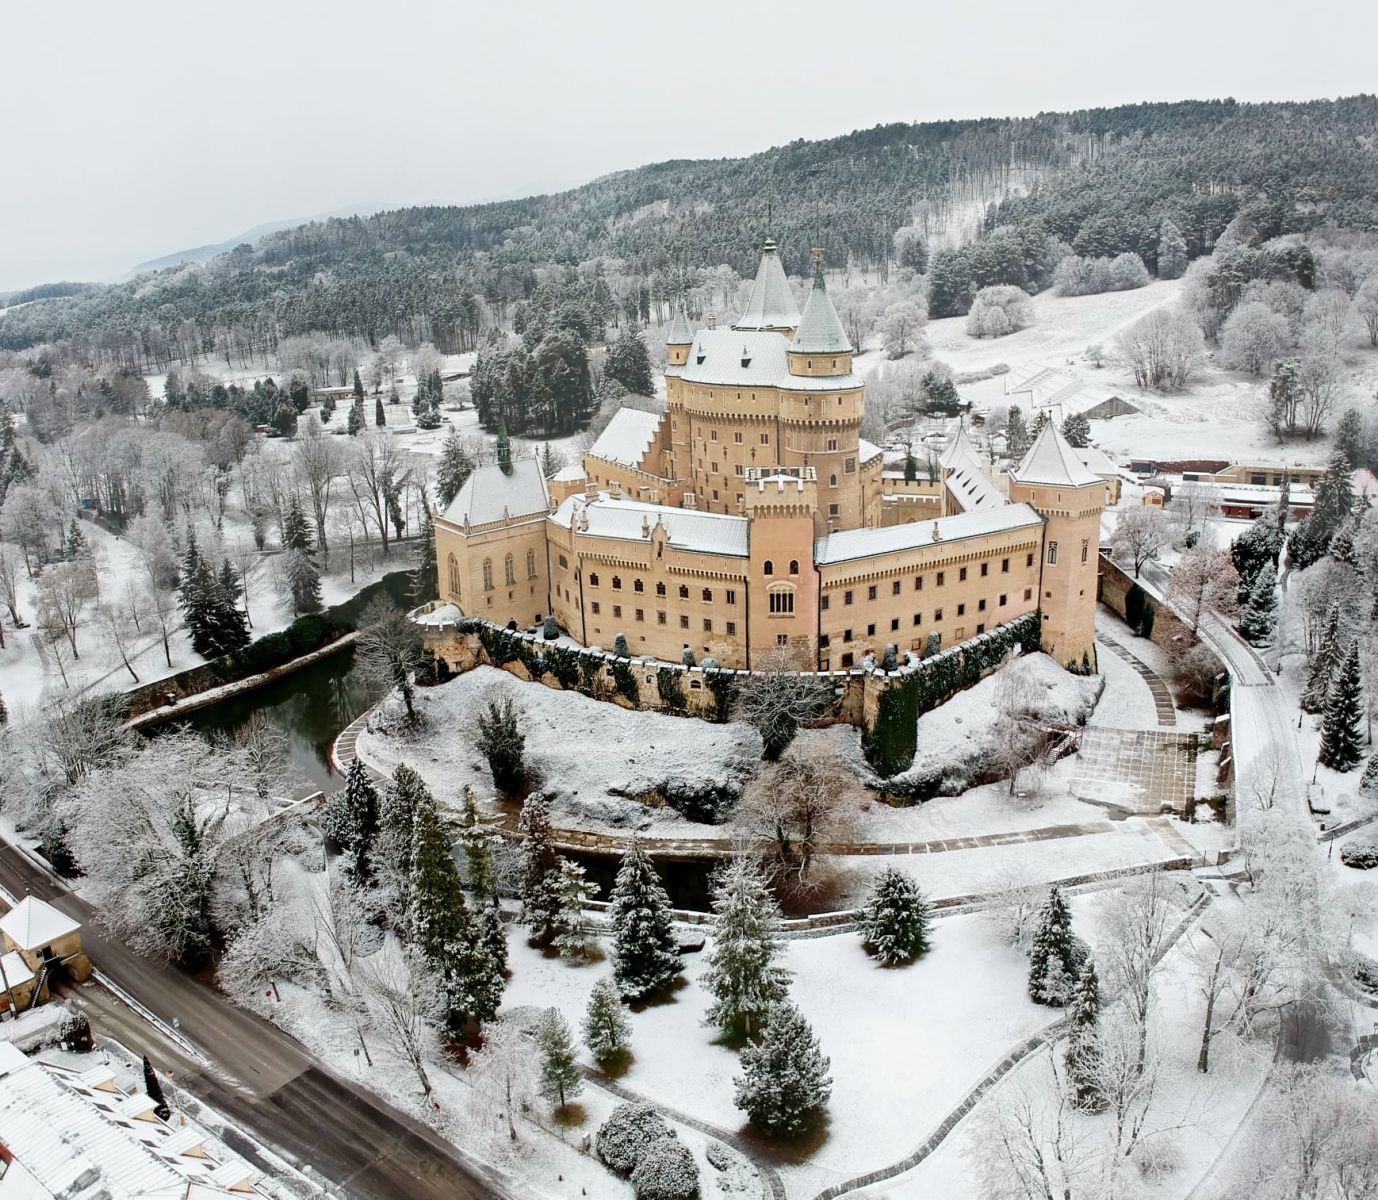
x=196, y=603
x=393, y=845
x=573, y=934
x=493, y=937
x=1017, y=437
x=77, y=549
x=351, y=820
x=645, y=947
x=1083, y=1047
x=629, y=363
x=1260, y=615
x=303, y=576
x=541, y=877
x=504, y=745
x=1324, y=665
x=1052, y=958
x=426, y=579
x=560, y=1078
x=1076, y=428
x=1344, y=714
x=477, y=845
x=606, y=1027
x=4, y=712
x=455, y=466
x=439, y=924
x=1349, y=436
x=153, y=1089
x=1172, y=251
x=742, y=975
x=894, y=921
x=1368, y=782
x=380, y=417
x=785, y=1083
x=231, y=622
x=354, y=423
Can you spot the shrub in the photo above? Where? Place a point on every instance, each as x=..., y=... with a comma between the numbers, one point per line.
x=1362, y=856
x=705, y=803
x=502, y=742
x=625, y=679
x=671, y=687
x=667, y=1171
x=627, y=1134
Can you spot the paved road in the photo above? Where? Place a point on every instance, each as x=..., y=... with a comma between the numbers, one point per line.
x=262, y=1079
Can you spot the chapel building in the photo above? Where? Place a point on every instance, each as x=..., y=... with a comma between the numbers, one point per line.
x=751, y=516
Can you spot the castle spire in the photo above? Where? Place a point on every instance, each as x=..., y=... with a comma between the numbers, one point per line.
x=772, y=303
x=504, y=448
x=820, y=328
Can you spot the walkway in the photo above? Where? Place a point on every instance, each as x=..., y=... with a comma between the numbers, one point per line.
x=1139, y=771
x=1162, y=695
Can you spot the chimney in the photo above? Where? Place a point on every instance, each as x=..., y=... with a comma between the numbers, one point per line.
x=712, y=320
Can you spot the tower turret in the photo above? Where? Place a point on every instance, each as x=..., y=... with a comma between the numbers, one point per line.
x=772, y=303
x=680, y=336
x=820, y=345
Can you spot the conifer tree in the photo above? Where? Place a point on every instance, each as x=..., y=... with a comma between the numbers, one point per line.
x=894, y=921
x=392, y=847
x=351, y=819
x=1052, y=958
x=1017, y=438
x=195, y=602
x=358, y=387
x=77, y=549
x=1344, y=713
x=455, y=466
x=493, y=938
x=645, y=946
x=380, y=417
x=629, y=363
x=153, y=1089
x=784, y=1085
x=426, y=579
x=231, y=622
x=1083, y=1058
x=504, y=745
x=573, y=933
x=439, y=924
x=303, y=577
x=606, y=1027
x=540, y=894
x=1076, y=428
x=354, y=423
x=1172, y=251
x=1260, y=615
x=1324, y=665
x=1368, y=782
x=560, y=1078
x=742, y=975
x=477, y=845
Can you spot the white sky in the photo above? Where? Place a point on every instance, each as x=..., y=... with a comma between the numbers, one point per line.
x=138, y=128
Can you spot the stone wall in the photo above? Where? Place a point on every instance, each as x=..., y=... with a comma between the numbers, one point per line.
x=1165, y=628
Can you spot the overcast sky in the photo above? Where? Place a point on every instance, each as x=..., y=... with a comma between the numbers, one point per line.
x=134, y=129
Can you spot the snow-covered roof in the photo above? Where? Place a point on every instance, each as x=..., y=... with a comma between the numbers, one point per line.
x=959, y=449
x=574, y=473
x=820, y=329
x=971, y=487
x=850, y=544
x=490, y=494
x=1050, y=460
x=748, y=358
x=1097, y=460
x=679, y=333
x=628, y=437
x=15, y=970
x=632, y=520
x=772, y=303
x=867, y=451
x=32, y=924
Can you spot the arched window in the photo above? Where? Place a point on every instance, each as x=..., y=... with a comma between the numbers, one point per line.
x=1052, y=553
x=509, y=570
x=531, y=564
x=487, y=574
x=453, y=564
x=781, y=598
x=1085, y=549
x=768, y=567
x=794, y=566
x=832, y=480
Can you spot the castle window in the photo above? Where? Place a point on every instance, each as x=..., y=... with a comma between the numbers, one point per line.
x=846, y=635
x=1029, y=561
x=871, y=630
x=732, y=629
x=738, y=468
x=832, y=510
x=823, y=641
x=810, y=362
x=781, y=602
x=638, y=585
x=683, y=591
x=985, y=569
x=453, y=564
x=918, y=583
x=847, y=597
x=712, y=435
x=981, y=628
x=683, y=622
x=895, y=588
x=617, y=611
x=942, y=578
x=708, y=595
x=825, y=603
x=937, y=615
x=961, y=610
x=1003, y=599
x=765, y=437
x=564, y=563
x=487, y=574
x=849, y=465
x=617, y=583
x=918, y=618
x=782, y=639
x=660, y=618
x=1005, y=566
x=593, y=580
x=531, y=564
x=768, y=567
x=981, y=604
x=640, y=614
x=832, y=480
x=871, y=592
x=894, y=623
x=832, y=443
x=731, y=596
x=794, y=566
x=1085, y=549
x=1028, y=593
x=660, y=589
x=737, y=437
x=848, y=659
x=509, y=569
x=708, y=624
x=1052, y=553
x=596, y=608
x=961, y=574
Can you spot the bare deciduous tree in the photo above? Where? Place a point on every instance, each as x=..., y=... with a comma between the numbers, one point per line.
x=1139, y=534
x=1203, y=580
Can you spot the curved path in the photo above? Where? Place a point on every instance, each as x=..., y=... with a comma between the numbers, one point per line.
x=1162, y=695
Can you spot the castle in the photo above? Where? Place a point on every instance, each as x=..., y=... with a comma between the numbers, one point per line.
x=751, y=516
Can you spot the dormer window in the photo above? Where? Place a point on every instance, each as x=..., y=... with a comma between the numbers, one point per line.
x=698, y=358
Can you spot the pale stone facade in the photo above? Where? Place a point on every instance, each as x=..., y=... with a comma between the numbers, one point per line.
x=751, y=516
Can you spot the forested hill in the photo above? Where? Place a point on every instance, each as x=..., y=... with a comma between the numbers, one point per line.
x=1101, y=180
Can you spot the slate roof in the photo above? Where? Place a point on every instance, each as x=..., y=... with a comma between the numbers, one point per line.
x=820, y=329
x=772, y=303
x=749, y=358
x=849, y=544
x=629, y=520
x=490, y=495
x=628, y=437
x=679, y=333
x=1050, y=460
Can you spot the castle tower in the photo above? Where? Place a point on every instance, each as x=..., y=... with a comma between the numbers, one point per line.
x=772, y=303
x=679, y=337
x=782, y=506
x=1053, y=481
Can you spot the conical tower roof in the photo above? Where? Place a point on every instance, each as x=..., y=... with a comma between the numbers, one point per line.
x=820, y=329
x=772, y=304
x=680, y=333
x=1050, y=460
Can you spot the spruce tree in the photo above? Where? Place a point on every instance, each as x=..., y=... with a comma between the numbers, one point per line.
x=1052, y=958
x=742, y=975
x=493, y=937
x=1017, y=438
x=426, y=579
x=351, y=819
x=392, y=847
x=1368, y=782
x=784, y=1085
x=1083, y=1057
x=1324, y=665
x=894, y=920
x=380, y=417
x=560, y=1078
x=629, y=363
x=1260, y=615
x=1076, y=428
x=1172, y=251
x=196, y=603
x=455, y=466
x=476, y=842
x=354, y=424
x=1344, y=714
x=231, y=622
x=645, y=946
x=303, y=576
x=153, y=1089
x=540, y=894
x=606, y=1027
x=440, y=923
x=77, y=549
x=573, y=934
x=502, y=742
